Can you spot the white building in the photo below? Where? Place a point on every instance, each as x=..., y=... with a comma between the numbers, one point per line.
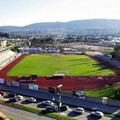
x=3, y=42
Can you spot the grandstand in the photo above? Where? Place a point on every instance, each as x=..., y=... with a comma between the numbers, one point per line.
x=6, y=57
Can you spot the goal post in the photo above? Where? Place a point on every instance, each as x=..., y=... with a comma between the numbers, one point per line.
x=61, y=73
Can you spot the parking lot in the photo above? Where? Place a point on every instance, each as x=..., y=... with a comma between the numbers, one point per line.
x=69, y=112
x=84, y=116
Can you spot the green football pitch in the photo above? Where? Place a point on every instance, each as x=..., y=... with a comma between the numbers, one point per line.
x=49, y=64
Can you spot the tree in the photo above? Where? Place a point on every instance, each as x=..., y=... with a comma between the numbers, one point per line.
x=116, y=52
x=15, y=49
x=2, y=34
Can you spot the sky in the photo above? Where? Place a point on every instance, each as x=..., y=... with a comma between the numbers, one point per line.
x=24, y=12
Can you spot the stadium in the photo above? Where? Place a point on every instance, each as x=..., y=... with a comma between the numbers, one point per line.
x=73, y=71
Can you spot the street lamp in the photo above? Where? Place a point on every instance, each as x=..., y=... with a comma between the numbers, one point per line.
x=60, y=85
x=58, y=91
x=59, y=100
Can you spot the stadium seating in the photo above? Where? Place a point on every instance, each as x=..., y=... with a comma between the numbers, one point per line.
x=6, y=57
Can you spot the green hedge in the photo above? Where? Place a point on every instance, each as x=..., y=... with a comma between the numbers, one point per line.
x=60, y=117
x=11, y=118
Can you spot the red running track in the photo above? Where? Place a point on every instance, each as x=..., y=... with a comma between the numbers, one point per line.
x=6, y=69
x=69, y=83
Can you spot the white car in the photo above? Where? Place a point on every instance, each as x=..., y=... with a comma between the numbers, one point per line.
x=97, y=113
x=79, y=94
x=79, y=110
x=19, y=97
x=47, y=103
x=31, y=99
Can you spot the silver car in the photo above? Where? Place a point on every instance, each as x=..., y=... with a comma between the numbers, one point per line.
x=97, y=113
x=47, y=103
x=79, y=110
x=31, y=99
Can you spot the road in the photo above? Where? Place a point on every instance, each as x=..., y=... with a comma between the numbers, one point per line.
x=17, y=114
x=69, y=100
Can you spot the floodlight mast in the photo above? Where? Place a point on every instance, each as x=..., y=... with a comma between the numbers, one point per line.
x=59, y=101
x=60, y=85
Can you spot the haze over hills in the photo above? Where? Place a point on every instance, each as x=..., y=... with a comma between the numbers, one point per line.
x=90, y=26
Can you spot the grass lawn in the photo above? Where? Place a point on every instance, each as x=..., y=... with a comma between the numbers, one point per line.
x=47, y=65
x=110, y=92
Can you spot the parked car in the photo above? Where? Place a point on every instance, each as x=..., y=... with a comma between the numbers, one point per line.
x=47, y=103
x=10, y=95
x=79, y=110
x=64, y=108
x=97, y=113
x=31, y=99
x=79, y=94
x=2, y=93
x=14, y=99
x=19, y=97
x=51, y=108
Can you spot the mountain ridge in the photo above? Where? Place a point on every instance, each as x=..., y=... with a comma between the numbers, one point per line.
x=107, y=25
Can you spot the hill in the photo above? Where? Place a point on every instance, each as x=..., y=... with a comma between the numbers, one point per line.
x=92, y=26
